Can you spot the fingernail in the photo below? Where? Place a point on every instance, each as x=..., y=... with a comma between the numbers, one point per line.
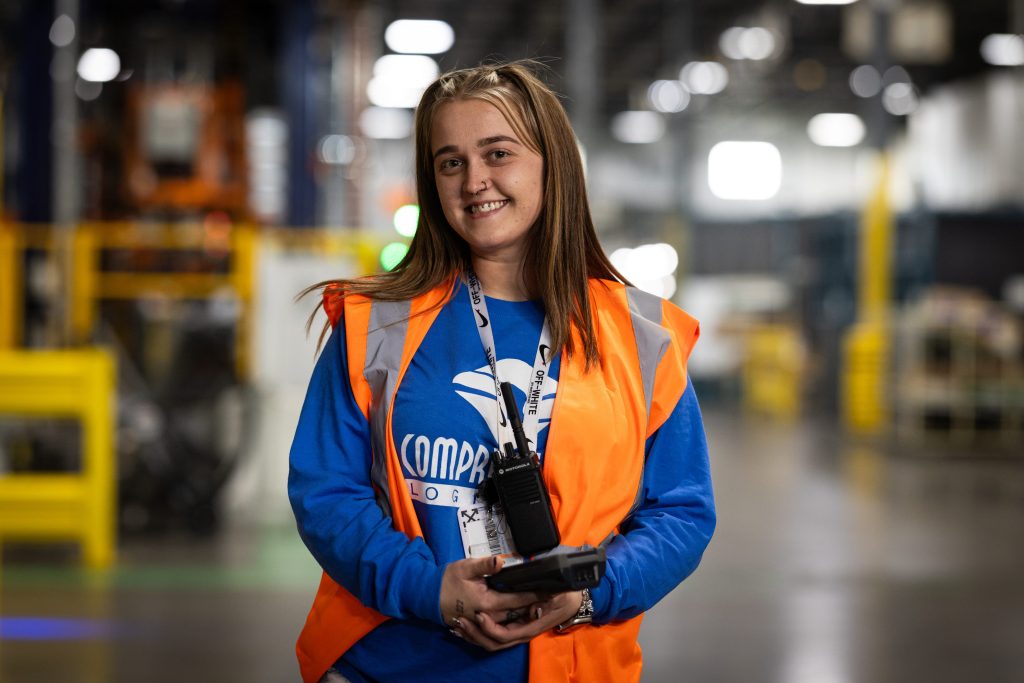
x=539, y=613
x=455, y=633
x=456, y=622
x=479, y=618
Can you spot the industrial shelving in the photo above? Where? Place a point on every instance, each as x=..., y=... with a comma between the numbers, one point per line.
x=959, y=372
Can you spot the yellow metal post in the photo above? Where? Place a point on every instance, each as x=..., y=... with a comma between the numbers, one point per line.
x=11, y=292
x=864, y=402
x=83, y=300
x=243, y=273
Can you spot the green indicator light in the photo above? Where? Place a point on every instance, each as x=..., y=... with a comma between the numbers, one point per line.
x=405, y=219
x=392, y=254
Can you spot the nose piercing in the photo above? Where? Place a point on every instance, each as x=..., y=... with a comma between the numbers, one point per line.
x=483, y=186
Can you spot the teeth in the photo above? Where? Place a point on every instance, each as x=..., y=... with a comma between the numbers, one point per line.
x=489, y=206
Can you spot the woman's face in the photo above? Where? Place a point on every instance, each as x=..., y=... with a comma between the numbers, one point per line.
x=490, y=183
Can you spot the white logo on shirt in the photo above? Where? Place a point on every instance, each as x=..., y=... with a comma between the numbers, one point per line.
x=477, y=387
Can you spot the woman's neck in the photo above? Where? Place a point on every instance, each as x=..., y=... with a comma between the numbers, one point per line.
x=501, y=279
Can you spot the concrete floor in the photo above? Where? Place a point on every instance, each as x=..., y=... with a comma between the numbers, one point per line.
x=833, y=563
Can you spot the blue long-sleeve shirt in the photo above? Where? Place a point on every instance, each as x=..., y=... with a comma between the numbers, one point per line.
x=443, y=435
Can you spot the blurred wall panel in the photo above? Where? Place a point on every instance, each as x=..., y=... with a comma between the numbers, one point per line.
x=968, y=144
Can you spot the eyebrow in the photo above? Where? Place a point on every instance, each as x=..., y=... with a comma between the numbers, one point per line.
x=482, y=142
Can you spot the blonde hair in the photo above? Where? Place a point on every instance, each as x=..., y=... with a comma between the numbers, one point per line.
x=562, y=250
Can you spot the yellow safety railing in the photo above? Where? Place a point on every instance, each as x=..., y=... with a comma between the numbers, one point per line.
x=773, y=370
x=75, y=505
x=92, y=283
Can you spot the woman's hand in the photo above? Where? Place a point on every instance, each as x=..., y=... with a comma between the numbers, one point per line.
x=482, y=629
x=464, y=593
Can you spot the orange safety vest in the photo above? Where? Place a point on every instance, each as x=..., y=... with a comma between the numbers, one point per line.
x=600, y=422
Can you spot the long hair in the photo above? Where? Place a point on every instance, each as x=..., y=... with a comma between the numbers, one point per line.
x=562, y=250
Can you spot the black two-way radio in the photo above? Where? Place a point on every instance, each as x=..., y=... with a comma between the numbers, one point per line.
x=524, y=497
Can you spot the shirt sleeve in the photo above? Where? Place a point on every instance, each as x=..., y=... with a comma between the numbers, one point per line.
x=662, y=541
x=334, y=504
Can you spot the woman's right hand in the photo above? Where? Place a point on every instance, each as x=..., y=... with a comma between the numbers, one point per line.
x=464, y=592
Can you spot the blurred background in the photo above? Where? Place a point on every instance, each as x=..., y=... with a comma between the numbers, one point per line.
x=834, y=189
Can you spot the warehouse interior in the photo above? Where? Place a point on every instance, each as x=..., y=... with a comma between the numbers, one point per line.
x=833, y=188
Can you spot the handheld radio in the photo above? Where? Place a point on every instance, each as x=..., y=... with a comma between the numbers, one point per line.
x=520, y=488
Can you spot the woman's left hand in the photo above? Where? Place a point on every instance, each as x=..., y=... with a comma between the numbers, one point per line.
x=481, y=629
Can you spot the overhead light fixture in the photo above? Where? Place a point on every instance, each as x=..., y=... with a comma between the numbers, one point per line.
x=399, y=80
x=651, y=267
x=1003, y=49
x=386, y=123
x=744, y=170
x=826, y=2
x=900, y=99
x=704, y=78
x=755, y=43
x=836, y=130
x=865, y=81
x=419, y=36
x=638, y=127
x=895, y=74
x=87, y=90
x=729, y=42
x=668, y=97
x=99, y=65
x=62, y=31
x=336, y=150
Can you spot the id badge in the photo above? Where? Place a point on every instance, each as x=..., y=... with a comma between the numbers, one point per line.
x=484, y=531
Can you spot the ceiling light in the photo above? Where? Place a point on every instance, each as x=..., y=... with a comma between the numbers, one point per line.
x=399, y=80
x=744, y=170
x=651, y=267
x=895, y=74
x=865, y=81
x=1003, y=49
x=729, y=42
x=413, y=69
x=836, y=130
x=87, y=90
x=336, y=150
x=826, y=2
x=704, y=78
x=638, y=127
x=419, y=36
x=99, y=65
x=386, y=123
x=668, y=97
x=757, y=43
x=900, y=99
x=62, y=31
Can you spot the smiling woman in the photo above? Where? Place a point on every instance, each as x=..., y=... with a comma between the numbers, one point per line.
x=491, y=188
x=495, y=306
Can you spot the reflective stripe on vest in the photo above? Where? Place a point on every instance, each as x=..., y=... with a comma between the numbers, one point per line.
x=644, y=344
x=385, y=339
x=651, y=338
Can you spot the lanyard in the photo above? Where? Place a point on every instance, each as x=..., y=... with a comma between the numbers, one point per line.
x=540, y=379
